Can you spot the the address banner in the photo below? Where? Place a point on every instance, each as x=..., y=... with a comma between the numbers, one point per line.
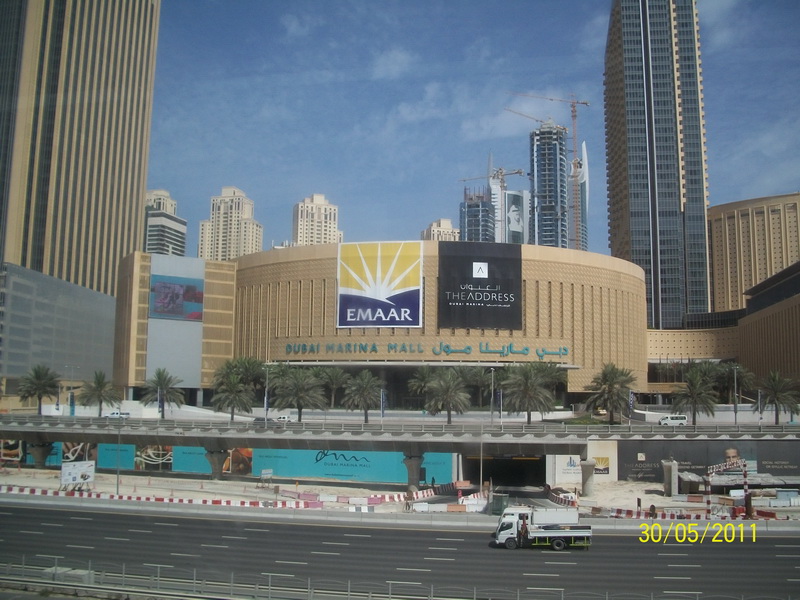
x=480, y=285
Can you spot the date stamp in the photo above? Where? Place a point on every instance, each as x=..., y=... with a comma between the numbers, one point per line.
x=698, y=533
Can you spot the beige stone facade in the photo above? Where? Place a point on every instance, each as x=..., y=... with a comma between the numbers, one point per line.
x=590, y=304
x=748, y=242
x=134, y=327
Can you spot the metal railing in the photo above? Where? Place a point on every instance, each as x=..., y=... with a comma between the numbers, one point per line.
x=165, y=425
x=59, y=574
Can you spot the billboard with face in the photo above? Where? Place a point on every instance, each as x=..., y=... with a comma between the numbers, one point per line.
x=480, y=285
x=380, y=285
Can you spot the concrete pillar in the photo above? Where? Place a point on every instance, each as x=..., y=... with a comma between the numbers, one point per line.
x=587, y=477
x=670, y=468
x=216, y=459
x=413, y=464
x=40, y=453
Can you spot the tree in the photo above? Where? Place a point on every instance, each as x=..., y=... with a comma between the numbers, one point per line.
x=333, y=378
x=98, y=392
x=447, y=392
x=779, y=392
x=698, y=395
x=299, y=388
x=253, y=374
x=232, y=393
x=612, y=387
x=733, y=377
x=420, y=383
x=528, y=388
x=162, y=389
x=40, y=382
x=363, y=392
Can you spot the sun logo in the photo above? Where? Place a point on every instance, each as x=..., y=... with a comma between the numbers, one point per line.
x=380, y=284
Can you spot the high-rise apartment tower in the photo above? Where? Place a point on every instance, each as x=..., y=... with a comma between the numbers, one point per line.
x=76, y=94
x=476, y=216
x=656, y=154
x=315, y=221
x=550, y=185
x=164, y=230
x=231, y=231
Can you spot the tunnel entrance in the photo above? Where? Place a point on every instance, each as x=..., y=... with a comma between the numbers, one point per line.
x=514, y=471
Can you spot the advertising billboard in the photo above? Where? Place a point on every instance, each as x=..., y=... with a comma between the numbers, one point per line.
x=174, y=297
x=641, y=459
x=380, y=285
x=480, y=285
x=77, y=473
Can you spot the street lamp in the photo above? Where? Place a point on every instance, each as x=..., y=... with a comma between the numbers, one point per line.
x=119, y=443
x=491, y=401
x=735, y=398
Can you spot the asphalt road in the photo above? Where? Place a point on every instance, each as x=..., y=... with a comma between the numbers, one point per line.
x=293, y=551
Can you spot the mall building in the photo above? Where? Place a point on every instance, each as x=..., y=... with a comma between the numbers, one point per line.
x=393, y=306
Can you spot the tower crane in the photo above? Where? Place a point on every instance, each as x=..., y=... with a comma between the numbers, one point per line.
x=576, y=162
x=498, y=173
x=542, y=121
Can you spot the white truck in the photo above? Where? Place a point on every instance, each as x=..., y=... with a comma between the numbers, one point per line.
x=523, y=526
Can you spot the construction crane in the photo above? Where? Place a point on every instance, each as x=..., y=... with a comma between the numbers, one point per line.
x=549, y=122
x=498, y=173
x=576, y=161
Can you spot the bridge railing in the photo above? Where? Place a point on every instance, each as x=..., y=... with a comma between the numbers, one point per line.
x=386, y=426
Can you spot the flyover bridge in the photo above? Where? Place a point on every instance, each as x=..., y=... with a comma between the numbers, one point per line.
x=412, y=439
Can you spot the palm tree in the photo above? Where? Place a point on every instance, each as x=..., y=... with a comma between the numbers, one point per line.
x=420, y=383
x=232, y=393
x=732, y=378
x=363, y=392
x=162, y=389
x=447, y=392
x=40, y=382
x=481, y=378
x=612, y=387
x=527, y=388
x=299, y=388
x=698, y=395
x=253, y=374
x=333, y=378
x=779, y=392
x=99, y=391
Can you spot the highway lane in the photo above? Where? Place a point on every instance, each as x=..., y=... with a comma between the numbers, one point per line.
x=295, y=551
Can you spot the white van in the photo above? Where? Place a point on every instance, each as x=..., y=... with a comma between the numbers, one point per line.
x=673, y=420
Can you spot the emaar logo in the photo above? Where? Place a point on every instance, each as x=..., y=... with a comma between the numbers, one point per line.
x=380, y=285
x=571, y=462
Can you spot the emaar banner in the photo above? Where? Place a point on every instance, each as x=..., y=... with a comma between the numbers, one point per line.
x=380, y=285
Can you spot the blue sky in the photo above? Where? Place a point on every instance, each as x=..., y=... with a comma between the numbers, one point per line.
x=385, y=106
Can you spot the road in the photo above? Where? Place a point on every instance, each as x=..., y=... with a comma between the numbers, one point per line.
x=293, y=551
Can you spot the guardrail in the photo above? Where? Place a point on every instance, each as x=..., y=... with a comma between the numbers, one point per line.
x=163, y=425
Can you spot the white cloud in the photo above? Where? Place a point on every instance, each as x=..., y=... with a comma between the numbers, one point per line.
x=721, y=23
x=298, y=26
x=392, y=64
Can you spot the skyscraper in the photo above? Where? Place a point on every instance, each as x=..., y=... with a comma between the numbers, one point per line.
x=231, y=231
x=315, y=221
x=441, y=230
x=476, y=216
x=550, y=185
x=656, y=155
x=76, y=92
x=581, y=179
x=164, y=230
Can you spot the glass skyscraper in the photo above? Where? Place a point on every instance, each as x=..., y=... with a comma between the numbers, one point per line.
x=550, y=185
x=656, y=155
